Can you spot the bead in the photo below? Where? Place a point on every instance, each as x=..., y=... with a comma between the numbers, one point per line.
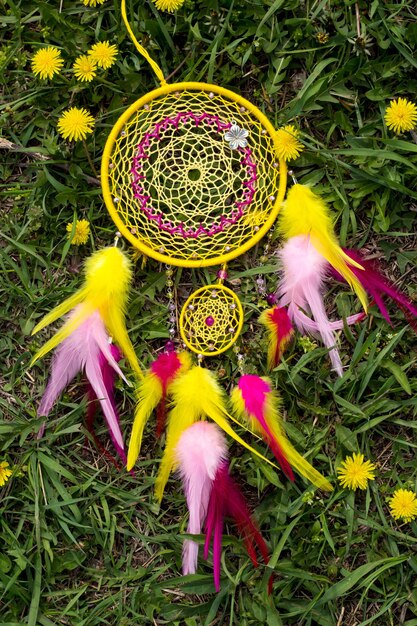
x=146, y=107
x=209, y=321
x=272, y=198
x=211, y=95
x=133, y=231
x=169, y=346
x=242, y=109
x=123, y=133
x=111, y=166
x=271, y=299
x=170, y=294
x=263, y=258
x=169, y=272
x=232, y=306
x=214, y=294
x=118, y=234
x=200, y=357
x=211, y=347
x=222, y=274
x=260, y=282
x=227, y=248
x=162, y=249
x=256, y=228
x=231, y=331
x=240, y=357
x=172, y=331
x=169, y=283
x=191, y=307
x=116, y=199
x=275, y=165
x=172, y=319
x=236, y=349
x=264, y=132
x=171, y=306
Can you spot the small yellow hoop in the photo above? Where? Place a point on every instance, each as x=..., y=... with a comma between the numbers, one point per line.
x=211, y=320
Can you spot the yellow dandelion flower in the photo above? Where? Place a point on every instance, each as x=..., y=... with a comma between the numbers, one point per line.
x=47, y=62
x=92, y=3
x=287, y=145
x=84, y=68
x=103, y=54
x=354, y=472
x=5, y=473
x=403, y=505
x=168, y=5
x=75, y=124
x=81, y=233
x=401, y=115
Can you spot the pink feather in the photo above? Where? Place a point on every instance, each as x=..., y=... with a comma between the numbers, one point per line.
x=375, y=283
x=301, y=290
x=81, y=351
x=108, y=374
x=200, y=450
x=226, y=499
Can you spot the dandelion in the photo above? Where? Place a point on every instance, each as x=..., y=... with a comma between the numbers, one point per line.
x=103, y=54
x=5, y=473
x=168, y=5
x=47, y=62
x=81, y=233
x=403, y=505
x=75, y=124
x=85, y=68
x=401, y=115
x=354, y=472
x=288, y=146
x=92, y=3
x=322, y=37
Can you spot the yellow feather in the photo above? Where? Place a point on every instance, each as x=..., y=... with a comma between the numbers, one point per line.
x=60, y=310
x=148, y=396
x=305, y=213
x=196, y=395
x=107, y=277
x=78, y=318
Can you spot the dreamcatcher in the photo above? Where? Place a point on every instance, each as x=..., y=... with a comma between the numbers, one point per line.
x=191, y=177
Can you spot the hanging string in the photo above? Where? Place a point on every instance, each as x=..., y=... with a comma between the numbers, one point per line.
x=157, y=70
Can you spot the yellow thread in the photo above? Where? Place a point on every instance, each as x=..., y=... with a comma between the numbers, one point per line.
x=140, y=48
x=224, y=307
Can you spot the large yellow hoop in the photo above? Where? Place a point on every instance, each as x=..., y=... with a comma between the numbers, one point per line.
x=130, y=139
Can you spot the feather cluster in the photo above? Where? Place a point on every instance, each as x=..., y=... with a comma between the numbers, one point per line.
x=83, y=344
x=196, y=395
x=211, y=494
x=280, y=332
x=310, y=246
x=256, y=403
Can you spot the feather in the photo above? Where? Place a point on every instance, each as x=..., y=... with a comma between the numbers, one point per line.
x=199, y=452
x=82, y=351
x=108, y=374
x=226, y=499
x=255, y=402
x=300, y=290
x=196, y=395
x=305, y=213
x=280, y=332
x=107, y=278
x=151, y=393
x=377, y=286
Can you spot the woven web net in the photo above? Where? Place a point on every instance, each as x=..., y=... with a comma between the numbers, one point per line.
x=211, y=320
x=180, y=188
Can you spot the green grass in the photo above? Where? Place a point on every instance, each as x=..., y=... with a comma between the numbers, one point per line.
x=83, y=544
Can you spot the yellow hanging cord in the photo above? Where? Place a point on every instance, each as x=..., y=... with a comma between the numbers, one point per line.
x=157, y=70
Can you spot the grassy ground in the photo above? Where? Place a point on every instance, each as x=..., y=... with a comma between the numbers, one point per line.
x=84, y=544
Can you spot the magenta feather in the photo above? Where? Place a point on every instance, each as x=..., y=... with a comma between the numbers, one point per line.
x=377, y=285
x=226, y=499
x=200, y=451
x=82, y=351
